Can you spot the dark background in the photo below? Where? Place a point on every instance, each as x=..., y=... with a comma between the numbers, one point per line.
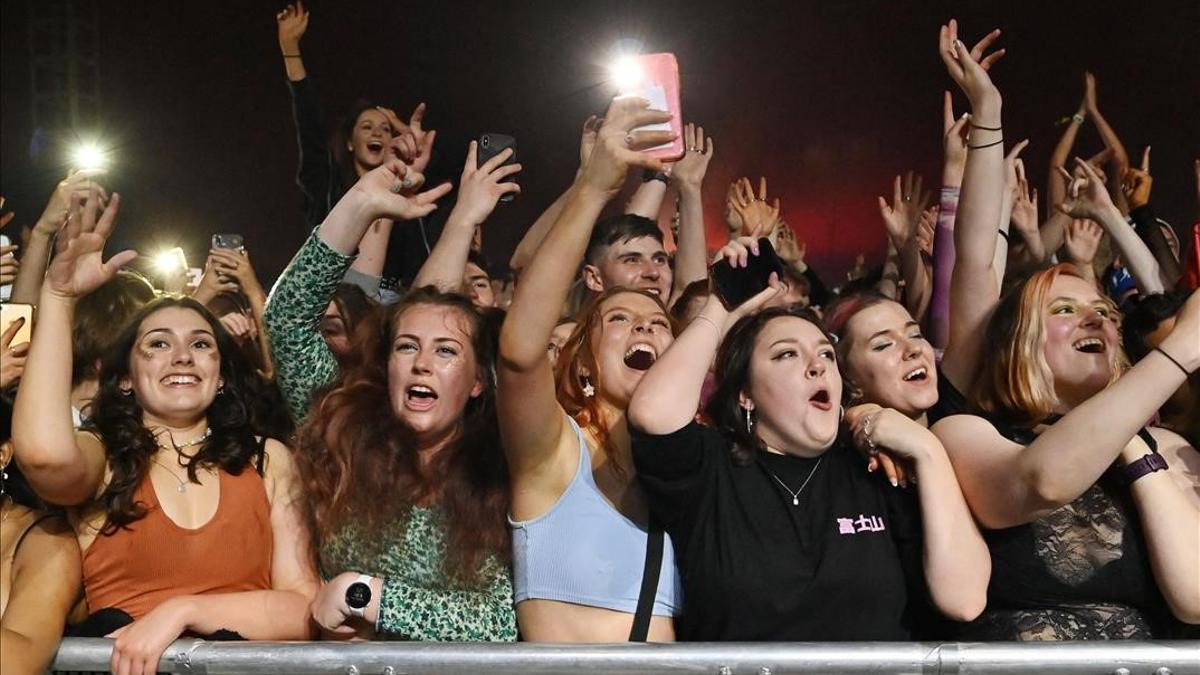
x=826, y=99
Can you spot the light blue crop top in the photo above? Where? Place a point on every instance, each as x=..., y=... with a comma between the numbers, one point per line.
x=586, y=552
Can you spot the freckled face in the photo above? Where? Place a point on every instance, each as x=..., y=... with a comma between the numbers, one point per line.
x=432, y=371
x=175, y=366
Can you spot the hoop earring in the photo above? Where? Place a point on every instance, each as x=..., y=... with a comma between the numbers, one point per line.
x=841, y=413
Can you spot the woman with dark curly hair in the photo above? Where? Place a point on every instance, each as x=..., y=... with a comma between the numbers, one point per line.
x=168, y=476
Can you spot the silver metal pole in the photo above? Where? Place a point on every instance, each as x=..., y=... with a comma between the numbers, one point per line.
x=392, y=658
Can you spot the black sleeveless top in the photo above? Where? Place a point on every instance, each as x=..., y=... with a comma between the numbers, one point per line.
x=1081, y=572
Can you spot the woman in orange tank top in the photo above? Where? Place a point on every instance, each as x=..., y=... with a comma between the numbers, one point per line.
x=186, y=520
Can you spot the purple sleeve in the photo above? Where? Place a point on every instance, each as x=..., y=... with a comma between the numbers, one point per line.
x=943, y=268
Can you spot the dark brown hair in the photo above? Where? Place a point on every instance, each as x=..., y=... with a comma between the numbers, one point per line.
x=99, y=318
x=360, y=467
x=130, y=446
x=733, y=377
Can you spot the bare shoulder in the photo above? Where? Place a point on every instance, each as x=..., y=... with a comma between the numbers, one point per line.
x=969, y=434
x=279, y=469
x=51, y=547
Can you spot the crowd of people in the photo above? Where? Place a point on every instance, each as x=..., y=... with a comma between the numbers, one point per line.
x=991, y=437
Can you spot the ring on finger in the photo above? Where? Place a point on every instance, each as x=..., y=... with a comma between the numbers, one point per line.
x=629, y=139
x=396, y=188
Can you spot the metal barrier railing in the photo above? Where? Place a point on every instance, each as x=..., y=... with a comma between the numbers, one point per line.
x=393, y=658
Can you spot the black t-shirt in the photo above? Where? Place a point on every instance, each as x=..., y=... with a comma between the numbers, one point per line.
x=843, y=564
x=950, y=401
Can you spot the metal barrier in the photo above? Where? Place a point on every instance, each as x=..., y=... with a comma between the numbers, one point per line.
x=394, y=658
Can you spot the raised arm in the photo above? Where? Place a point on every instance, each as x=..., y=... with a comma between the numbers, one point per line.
x=667, y=398
x=478, y=193
x=1118, y=157
x=236, y=265
x=954, y=151
x=902, y=219
x=688, y=178
x=974, y=289
x=69, y=195
x=531, y=421
x=291, y=23
x=1088, y=198
x=61, y=467
x=1007, y=484
x=1136, y=188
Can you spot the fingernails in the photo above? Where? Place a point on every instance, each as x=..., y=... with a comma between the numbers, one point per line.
x=894, y=483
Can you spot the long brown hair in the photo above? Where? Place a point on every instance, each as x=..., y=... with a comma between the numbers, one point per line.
x=578, y=354
x=360, y=467
x=1015, y=384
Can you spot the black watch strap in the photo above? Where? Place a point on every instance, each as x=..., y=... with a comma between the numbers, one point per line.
x=1146, y=464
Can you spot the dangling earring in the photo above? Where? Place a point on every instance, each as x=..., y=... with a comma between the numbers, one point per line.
x=588, y=390
x=749, y=422
x=221, y=389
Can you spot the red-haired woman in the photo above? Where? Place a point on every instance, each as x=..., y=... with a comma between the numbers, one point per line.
x=579, y=519
x=406, y=487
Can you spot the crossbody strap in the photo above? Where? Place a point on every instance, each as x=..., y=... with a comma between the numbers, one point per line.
x=645, y=605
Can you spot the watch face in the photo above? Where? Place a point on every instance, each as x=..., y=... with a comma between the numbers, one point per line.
x=358, y=595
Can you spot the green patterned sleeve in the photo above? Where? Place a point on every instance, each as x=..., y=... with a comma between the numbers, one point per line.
x=303, y=361
x=481, y=614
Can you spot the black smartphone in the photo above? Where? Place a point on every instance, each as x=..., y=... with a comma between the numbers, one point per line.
x=735, y=285
x=491, y=145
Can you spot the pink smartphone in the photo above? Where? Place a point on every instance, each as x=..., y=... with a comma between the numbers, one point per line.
x=655, y=77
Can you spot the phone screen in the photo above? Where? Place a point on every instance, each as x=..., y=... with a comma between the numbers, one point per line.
x=735, y=285
x=230, y=241
x=655, y=77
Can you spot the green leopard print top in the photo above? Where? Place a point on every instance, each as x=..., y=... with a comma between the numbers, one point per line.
x=303, y=361
x=418, y=601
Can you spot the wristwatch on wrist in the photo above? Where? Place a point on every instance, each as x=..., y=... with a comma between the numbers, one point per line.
x=358, y=595
x=1140, y=467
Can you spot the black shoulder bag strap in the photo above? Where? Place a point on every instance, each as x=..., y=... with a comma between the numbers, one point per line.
x=645, y=606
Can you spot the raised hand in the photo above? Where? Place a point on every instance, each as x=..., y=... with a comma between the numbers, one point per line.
x=954, y=142
x=787, y=247
x=383, y=185
x=1086, y=195
x=1082, y=240
x=1089, y=93
x=759, y=219
x=241, y=327
x=926, y=229
x=1025, y=205
x=902, y=215
x=618, y=146
x=733, y=220
x=79, y=268
x=969, y=70
x=481, y=187
x=1138, y=182
x=235, y=266
x=12, y=365
x=738, y=253
x=587, y=138
x=689, y=171
x=78, y=184
x=291, y=24
x=9, y=265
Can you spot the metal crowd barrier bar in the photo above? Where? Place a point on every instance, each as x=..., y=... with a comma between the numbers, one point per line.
x=395, y=658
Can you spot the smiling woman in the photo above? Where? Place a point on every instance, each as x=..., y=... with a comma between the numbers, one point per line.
x=169, y=453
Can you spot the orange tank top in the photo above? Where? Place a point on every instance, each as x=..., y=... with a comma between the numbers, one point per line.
x=153, y=560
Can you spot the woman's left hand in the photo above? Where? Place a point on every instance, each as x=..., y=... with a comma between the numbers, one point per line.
x=329, y=608
x=887, y=437
x=140, y=645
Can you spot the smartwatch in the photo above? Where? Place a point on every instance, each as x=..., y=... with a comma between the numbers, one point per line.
x=649, y=175
x=358, y=595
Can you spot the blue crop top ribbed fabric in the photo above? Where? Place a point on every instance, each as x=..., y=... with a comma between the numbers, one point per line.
x=585, y=552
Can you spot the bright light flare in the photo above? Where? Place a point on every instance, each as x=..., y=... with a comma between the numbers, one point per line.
x=171, y=261
x=88, y=156
x=626, y=73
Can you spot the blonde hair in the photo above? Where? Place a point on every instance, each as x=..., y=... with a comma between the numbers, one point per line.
x=1015, y=383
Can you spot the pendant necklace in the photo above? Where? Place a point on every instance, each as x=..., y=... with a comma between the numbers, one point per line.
x=796, y=495
x=194, y=442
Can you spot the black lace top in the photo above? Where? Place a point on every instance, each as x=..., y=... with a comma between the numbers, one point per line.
x=1081, y=572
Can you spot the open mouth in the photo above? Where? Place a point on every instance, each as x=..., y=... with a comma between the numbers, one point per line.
x=180, y=380
x=375, y=146
x=821, y=400
x=653, y=290
x=1090, y=346
x=918, y=375
x=641, y=356
x=420, y=397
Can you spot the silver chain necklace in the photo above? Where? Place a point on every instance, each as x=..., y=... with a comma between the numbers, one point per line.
x=796, y=495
